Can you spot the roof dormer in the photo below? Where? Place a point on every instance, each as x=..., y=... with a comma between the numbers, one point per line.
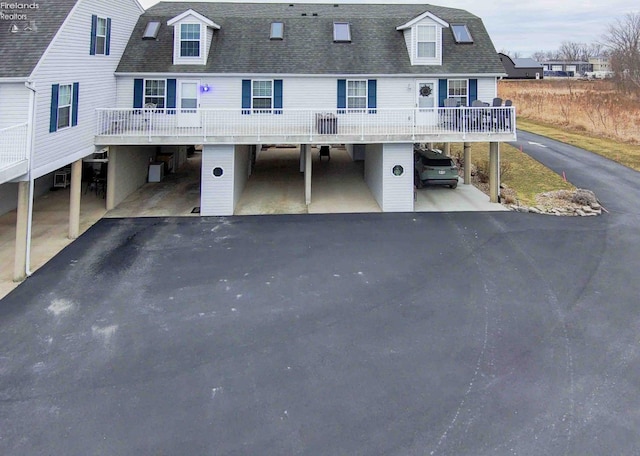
x=423, y=36
x=192, y=35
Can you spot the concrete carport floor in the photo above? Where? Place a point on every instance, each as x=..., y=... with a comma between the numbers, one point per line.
x=275, y=187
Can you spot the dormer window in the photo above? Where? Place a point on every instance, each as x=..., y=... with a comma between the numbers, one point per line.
x=426, y=41
x=192, y=37
x=189, y=40
x=341, y=32
x=461, y=33
x=277, y=31
x=423, y=35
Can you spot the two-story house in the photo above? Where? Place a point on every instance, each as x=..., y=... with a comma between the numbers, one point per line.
x=58, y=62
x=377, y=78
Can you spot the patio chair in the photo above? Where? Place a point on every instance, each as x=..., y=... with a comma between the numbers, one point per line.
x=450, y=118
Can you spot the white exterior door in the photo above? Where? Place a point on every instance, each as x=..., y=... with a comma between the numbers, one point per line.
x=426, y=102
x=188, y=103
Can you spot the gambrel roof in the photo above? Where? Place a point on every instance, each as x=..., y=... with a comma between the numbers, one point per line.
x=21, y=51
x=242, y=45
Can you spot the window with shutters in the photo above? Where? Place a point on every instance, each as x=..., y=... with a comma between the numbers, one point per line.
x=155, y=92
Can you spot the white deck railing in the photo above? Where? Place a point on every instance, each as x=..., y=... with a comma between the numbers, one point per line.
x=262, y=125
x=13, y=145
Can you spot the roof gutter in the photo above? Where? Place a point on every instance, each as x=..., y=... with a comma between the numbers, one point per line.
x=301, y=75
x=14, y=79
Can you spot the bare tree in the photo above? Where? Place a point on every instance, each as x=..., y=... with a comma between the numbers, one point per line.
x=539, y=56
x=574, y=52
x=623, y=43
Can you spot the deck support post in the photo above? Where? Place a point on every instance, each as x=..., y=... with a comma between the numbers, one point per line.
x=307, y=173
x=494, y=172
x=22, y=220
x=466, y=157
x=74, y=199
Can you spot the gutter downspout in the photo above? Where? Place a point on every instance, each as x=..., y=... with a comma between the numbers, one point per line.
x=30, y=140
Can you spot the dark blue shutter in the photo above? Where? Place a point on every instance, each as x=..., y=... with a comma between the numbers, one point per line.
x=342, y=95
x=53, y=118
x=372, y=96
x=473, y=91
x=138, y=88
x=94, y=28
x=108, y=38
x=277, y=96
x=171, y=96
x=74, y=104
x=246, y=96
x=443, y=92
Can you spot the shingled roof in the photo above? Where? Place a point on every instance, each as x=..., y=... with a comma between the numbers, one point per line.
x=21, y=51
x=242, y=44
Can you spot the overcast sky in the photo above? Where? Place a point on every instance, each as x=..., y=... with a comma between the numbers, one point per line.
x=526, y=26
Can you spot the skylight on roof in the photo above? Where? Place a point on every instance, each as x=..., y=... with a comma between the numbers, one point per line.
x=461, y=33
x=151, y=31
x=341, y=32
x=277, y=31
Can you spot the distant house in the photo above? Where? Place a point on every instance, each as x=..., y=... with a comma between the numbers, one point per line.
x=521, y=68
x=567, y=68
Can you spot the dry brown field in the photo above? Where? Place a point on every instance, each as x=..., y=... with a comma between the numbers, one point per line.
x=595, y=108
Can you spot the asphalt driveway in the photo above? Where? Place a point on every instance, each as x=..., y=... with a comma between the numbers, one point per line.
x=391, y=334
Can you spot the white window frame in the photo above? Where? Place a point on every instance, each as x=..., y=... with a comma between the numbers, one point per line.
x=351, y=82
x=68, y=107
x=262, y=110
x=434, y=28
x=182, y=40
x=146, y=98
x=455, y=90
x=101, y=50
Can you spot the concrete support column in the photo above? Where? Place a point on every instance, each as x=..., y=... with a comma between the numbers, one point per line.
x=111, y=178
x=22, y=220
x=494, y=176
x=307, y=173
x=74, y=200
x=467, y=163
x=447, y=149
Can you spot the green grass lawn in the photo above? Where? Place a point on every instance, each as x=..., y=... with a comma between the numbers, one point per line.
x=521, y=173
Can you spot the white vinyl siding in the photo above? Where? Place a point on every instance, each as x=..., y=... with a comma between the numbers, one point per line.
x=14, y=98
x=487, y=89
x=226, y=93
x=373, y=171
x=398, y=190
x=67, y=60
x=216, y=194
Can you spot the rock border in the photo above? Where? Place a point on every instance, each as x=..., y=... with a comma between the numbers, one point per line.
x=580, y=211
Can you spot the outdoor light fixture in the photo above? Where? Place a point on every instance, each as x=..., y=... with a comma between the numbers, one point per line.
x=205, y=88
